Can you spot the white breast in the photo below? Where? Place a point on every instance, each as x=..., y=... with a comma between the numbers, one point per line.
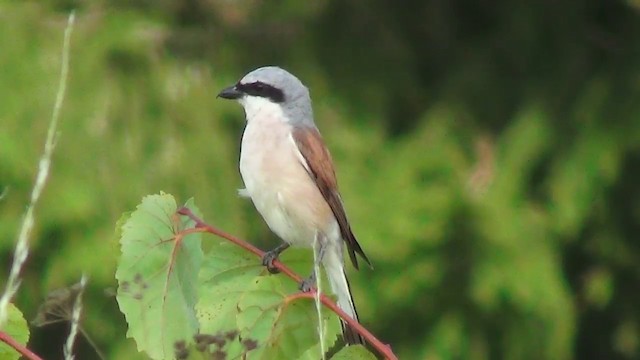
x=277, y=181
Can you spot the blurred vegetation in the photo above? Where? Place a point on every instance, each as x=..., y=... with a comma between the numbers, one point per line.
x=488, y=155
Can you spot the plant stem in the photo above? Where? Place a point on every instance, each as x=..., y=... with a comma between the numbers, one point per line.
x=4, y=337
x=379, y=346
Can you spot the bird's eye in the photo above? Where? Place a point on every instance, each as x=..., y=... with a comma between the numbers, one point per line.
x=263, y=90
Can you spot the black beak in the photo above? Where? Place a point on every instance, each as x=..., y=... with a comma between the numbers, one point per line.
x=230, y=93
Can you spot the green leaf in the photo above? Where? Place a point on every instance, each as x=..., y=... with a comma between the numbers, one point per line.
x=120, y=223
x=157, y=276
x=229, y=277
x=17, y=328
x=356, y=352
x=227, y=272
x=222, y=345
x=284, y=329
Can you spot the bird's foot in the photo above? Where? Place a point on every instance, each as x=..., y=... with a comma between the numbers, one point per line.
x=272, y=255
x=268, y=259
x=309, y=283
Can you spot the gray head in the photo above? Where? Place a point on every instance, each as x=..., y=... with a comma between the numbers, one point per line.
x=277, y=86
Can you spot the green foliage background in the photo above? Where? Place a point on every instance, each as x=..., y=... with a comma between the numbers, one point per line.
x=488, y=155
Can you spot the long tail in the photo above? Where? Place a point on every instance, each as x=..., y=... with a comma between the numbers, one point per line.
x=334, y=267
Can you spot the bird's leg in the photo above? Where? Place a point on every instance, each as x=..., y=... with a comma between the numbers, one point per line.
x=307, y=284
x=270, y=256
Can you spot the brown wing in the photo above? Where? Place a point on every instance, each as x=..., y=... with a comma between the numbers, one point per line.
x=321, y=170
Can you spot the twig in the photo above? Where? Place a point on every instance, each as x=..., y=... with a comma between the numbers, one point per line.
x=75, y=321
x=59, y=307
x=22, y=246
x=379, y=346
x=243, y=244
x=4, y=337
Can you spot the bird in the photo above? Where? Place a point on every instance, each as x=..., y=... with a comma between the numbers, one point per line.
x=288, y=174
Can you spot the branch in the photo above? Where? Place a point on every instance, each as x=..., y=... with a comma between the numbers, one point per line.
x=7, y=339
x=243, y=244
x=379, y=346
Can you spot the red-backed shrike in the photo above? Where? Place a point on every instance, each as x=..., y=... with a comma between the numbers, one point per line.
x=289, y=175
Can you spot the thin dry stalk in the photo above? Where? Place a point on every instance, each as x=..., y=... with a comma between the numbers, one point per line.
x=22, y=246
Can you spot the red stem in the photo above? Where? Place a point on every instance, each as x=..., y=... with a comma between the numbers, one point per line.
x=4, y=337
x=243, y=244
x=379, y=346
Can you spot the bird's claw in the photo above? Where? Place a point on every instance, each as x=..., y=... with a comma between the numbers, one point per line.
x=268, y=259
x=270, y=256
x=308, y=284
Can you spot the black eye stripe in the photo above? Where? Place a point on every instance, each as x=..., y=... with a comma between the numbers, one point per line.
x=263, y=90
